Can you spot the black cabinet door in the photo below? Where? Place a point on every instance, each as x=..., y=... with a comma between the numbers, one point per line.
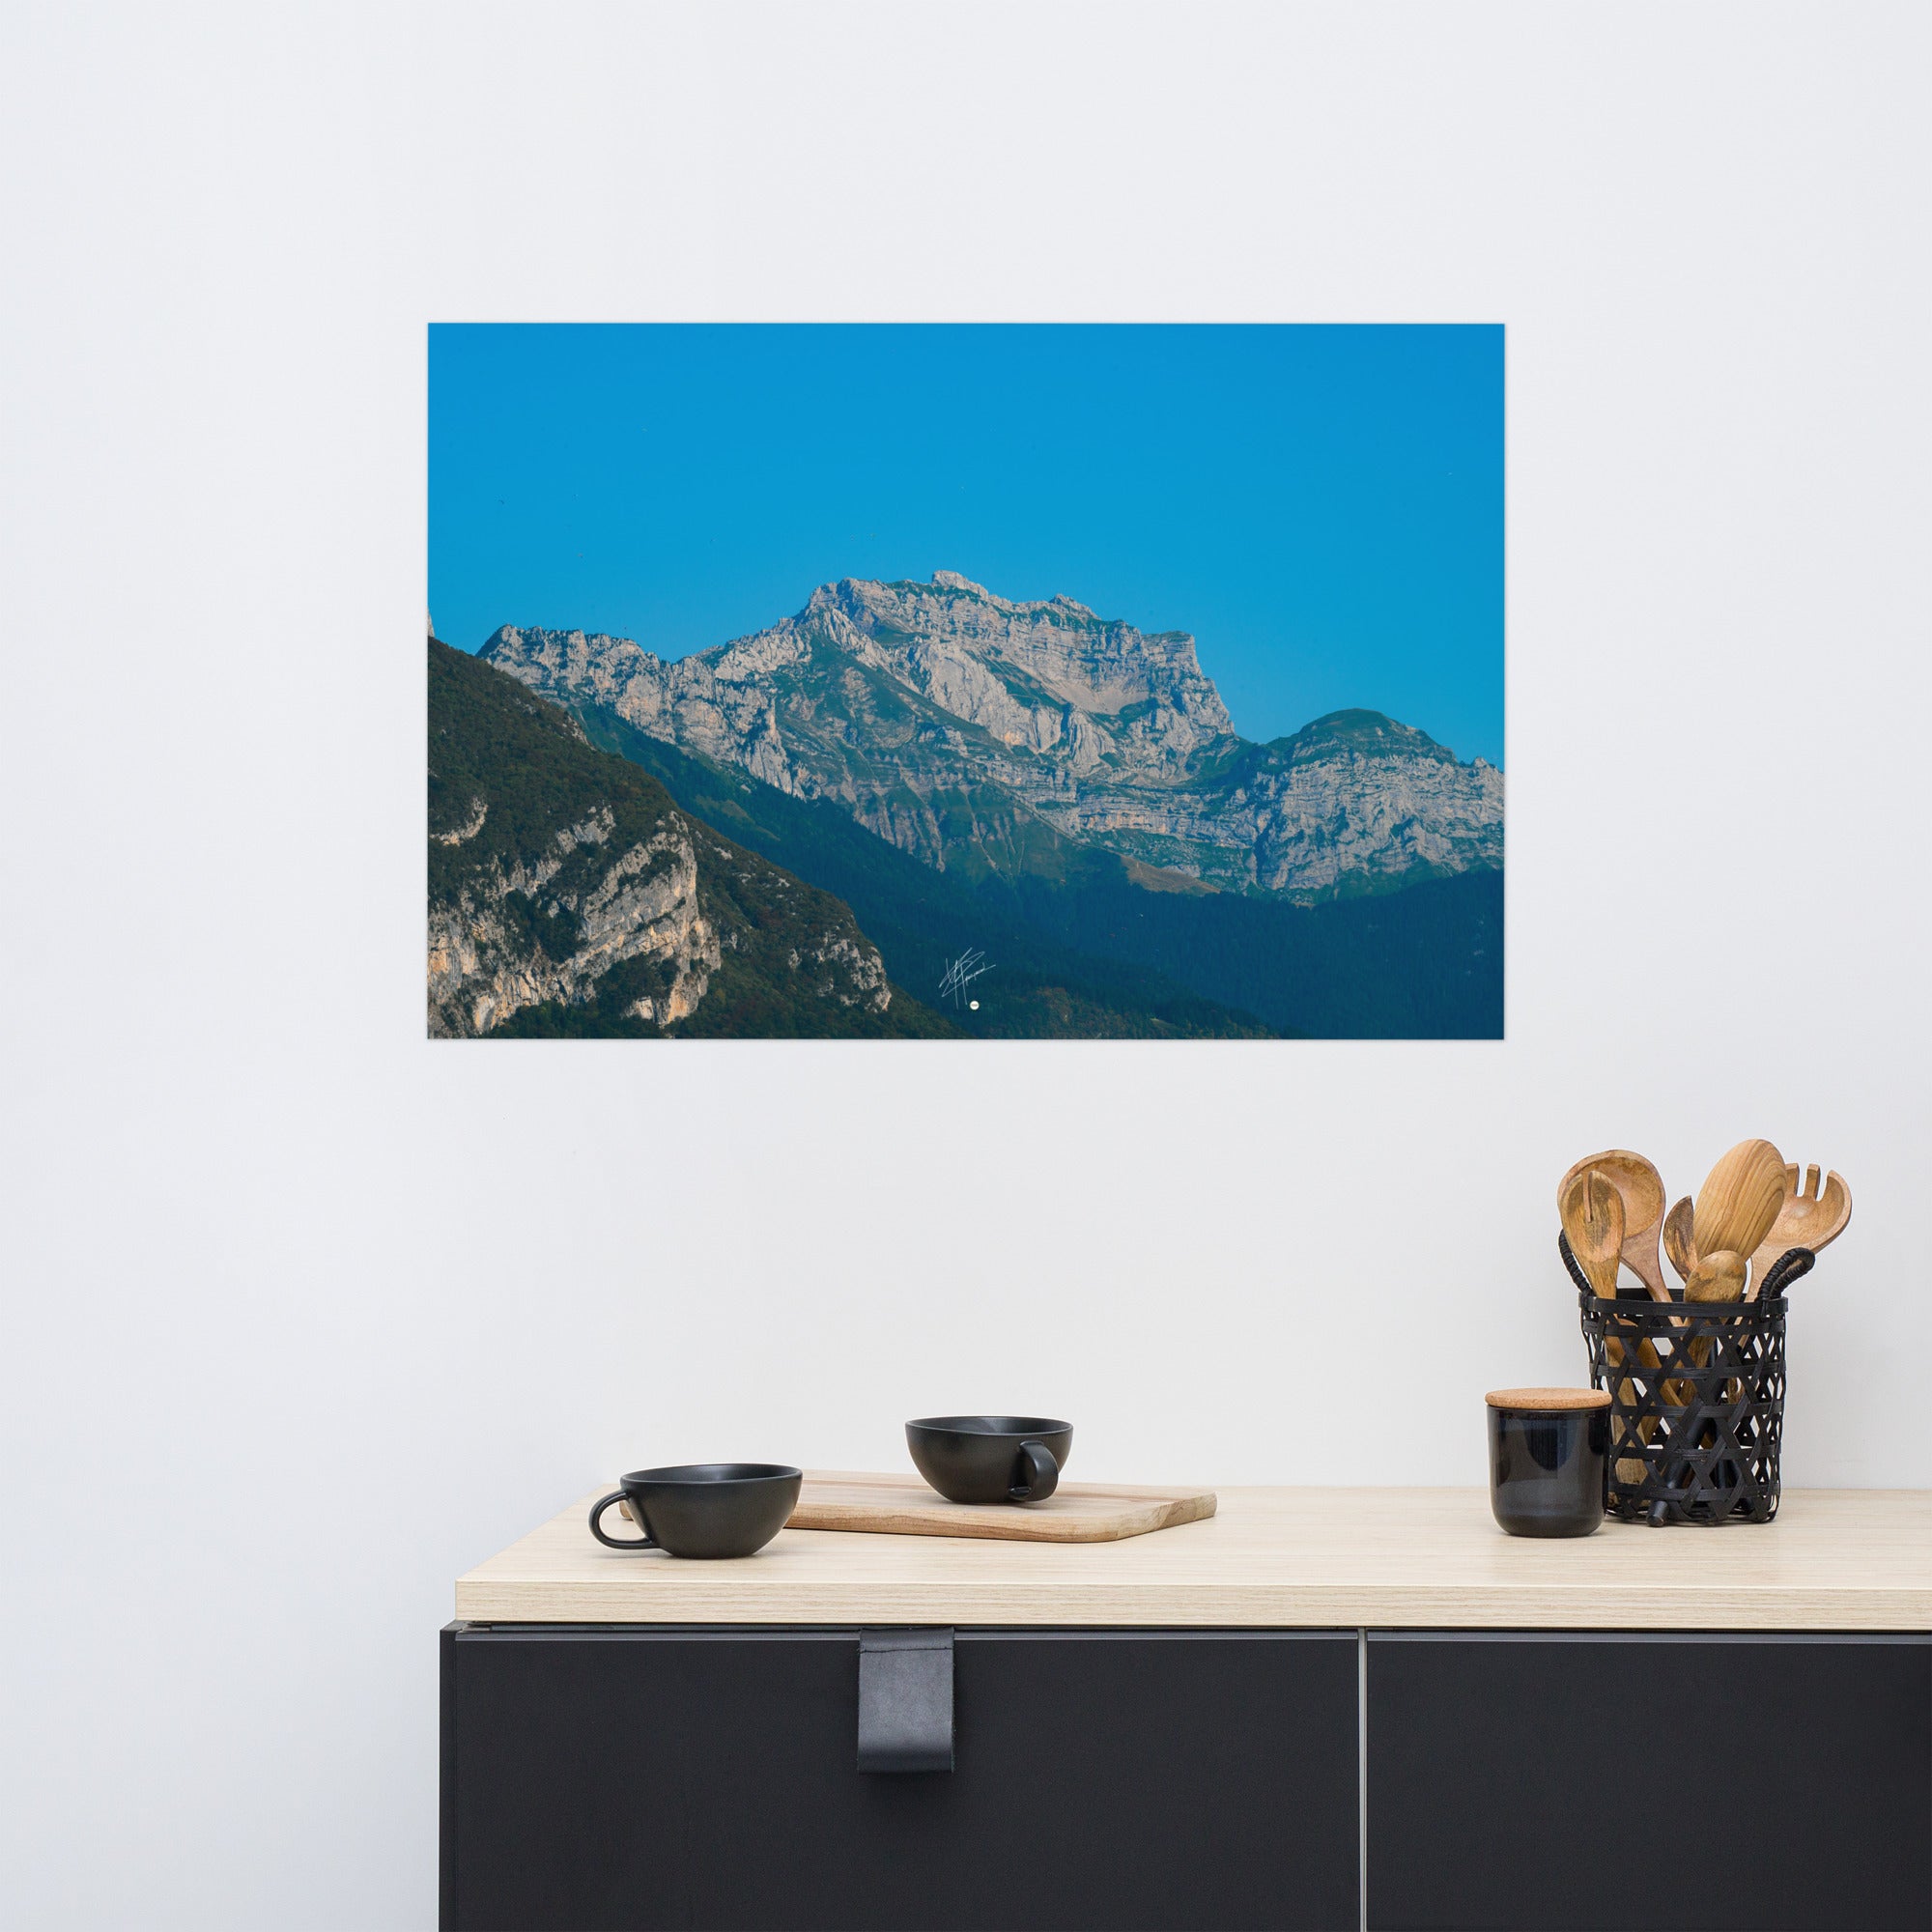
x=604, y=1778
x=1579, y=1783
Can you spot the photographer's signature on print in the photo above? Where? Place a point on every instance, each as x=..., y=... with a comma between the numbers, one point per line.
x=960, y=974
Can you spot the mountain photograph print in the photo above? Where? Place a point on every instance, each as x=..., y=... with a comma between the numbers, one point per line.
x=975, y=682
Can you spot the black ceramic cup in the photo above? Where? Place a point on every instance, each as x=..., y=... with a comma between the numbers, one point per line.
x=1549, y=1458
x=702, y=1509
x=990, y=1459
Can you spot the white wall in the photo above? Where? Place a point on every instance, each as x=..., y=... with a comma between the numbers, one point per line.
x=305, y=1314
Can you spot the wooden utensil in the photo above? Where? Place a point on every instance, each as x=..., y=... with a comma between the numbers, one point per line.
x=1810, y=1216
x=1680, y=1241
x=1641, y=1188
x=1718, y=1277
x=1591, y=1210
x=1593, y=1218
x=1593, y=1223
x=1739, y=1200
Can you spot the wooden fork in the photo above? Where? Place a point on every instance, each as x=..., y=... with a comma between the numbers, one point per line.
x=1810, y=1216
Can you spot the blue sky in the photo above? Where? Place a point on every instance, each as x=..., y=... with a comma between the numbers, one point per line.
x=1322, y=507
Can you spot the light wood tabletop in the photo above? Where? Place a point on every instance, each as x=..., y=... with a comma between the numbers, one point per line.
x=1382, y=1559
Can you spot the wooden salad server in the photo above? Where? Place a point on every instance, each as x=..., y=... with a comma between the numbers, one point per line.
x=1592, y=1210
x=1736, y=1207
x=1739, y=1200
x=1810, y=1216
x=1593, y=1218
x=1641, y=1187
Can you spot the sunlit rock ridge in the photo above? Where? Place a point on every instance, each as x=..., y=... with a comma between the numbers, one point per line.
x=568, y=895
x=968, y=729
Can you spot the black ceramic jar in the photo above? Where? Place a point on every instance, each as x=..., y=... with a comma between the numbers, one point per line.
x=1549, y=1458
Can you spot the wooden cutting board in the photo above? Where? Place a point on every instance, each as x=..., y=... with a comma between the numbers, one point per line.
x=1075, y=1513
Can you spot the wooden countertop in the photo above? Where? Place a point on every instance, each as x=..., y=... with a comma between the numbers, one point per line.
x=1835, y=1559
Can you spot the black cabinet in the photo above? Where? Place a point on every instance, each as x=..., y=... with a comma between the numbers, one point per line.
x=1567, y=1782
x=607, y=1776
x=603, y=1778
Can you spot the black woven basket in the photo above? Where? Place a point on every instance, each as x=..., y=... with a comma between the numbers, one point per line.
x=1697, y=1399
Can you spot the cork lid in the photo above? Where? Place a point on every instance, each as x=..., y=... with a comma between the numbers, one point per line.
x=1549, y=1401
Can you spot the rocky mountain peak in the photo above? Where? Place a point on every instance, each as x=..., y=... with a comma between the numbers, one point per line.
x=1359, y=734
x=897, y=700
x=1053, y=650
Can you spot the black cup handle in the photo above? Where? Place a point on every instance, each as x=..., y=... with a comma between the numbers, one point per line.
x=1042, y=1474
x=597, y=1510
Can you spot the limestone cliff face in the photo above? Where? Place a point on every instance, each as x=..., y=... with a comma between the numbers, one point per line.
x=954, y=723
x=1352, y=802
x=565, y=884
x=642, y=905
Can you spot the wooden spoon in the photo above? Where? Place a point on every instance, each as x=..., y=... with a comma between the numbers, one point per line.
x=1739, y=1200
x=1680, y=1239
x=1809, y=1217
x=1716, y=1277
x=1593, y=1218
x=1641, y=1187
x=1680, y=1243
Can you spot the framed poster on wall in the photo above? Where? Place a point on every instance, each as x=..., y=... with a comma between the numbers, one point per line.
x=989, y=681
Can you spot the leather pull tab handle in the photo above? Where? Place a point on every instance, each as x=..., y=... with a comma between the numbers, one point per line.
x=905, y=1700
